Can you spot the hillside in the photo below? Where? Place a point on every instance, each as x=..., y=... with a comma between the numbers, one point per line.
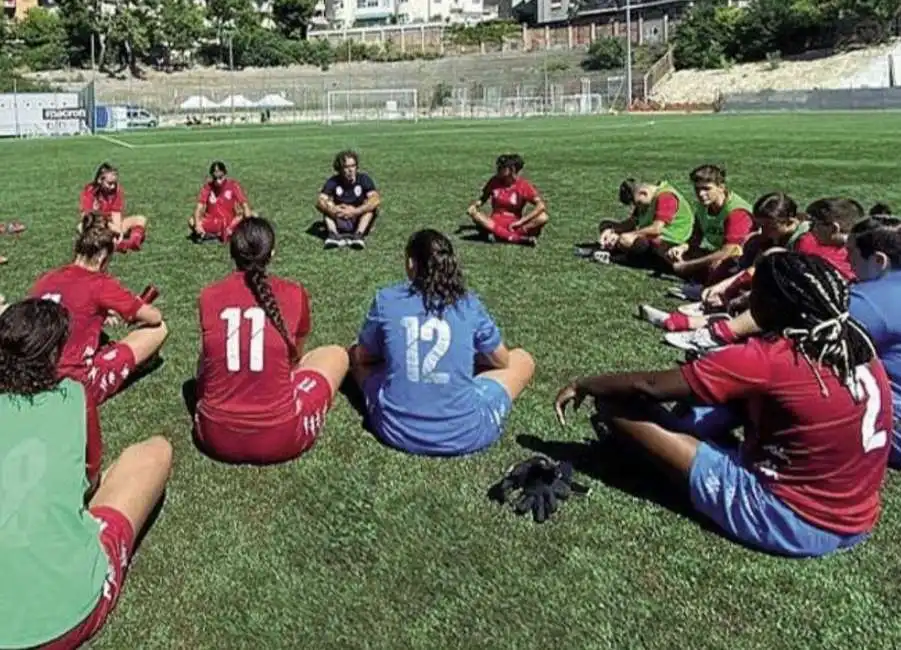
x=851, y=69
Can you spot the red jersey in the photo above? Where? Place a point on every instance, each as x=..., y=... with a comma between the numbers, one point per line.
x=93, y=200
x=824, y=457
x=88, y=296
x=221, y=202
x=244, y=374
x=738, y=227
x=509, y=200
x=837, y=256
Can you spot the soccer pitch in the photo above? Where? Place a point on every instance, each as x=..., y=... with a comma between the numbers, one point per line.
x=358, y=546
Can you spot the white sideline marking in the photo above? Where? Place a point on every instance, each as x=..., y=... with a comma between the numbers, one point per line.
x=116, y=141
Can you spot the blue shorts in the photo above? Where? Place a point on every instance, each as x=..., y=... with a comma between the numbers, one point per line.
x=493, y=407
x=738, y=502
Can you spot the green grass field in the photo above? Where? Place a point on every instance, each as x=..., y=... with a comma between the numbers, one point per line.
x=357, y=546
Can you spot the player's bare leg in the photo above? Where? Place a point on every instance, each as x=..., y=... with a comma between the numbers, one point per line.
x=517, y=375
x=674, y=452
x=133, y=233
x=146, y=342
x=483, y=222
x=135, y=482
x=362, y=229
x=332, y=238
x=330, y=361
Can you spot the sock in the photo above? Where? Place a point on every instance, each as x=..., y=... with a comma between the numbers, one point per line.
x=721, y=331
x=677, y=322
x=136, y=237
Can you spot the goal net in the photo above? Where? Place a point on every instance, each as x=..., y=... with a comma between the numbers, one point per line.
x=371, y=105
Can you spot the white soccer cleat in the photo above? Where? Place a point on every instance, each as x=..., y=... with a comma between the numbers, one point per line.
x=700, y=341
x=656, y=317
x=601, y=257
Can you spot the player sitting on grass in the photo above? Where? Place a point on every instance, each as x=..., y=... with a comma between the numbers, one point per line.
x=260, y=398
x=416, y=354
x=778, y=225
x=817, y=402
x=509, y=194
x=93, y=297
x=63, y=563
x=723, y=223
x=104, y=195
x=660, y=218
x=831, y=220
x=220, y=207
x=875, y=251
x=349, y=203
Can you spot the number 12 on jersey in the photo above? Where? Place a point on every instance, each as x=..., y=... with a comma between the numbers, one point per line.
x=234, y=317
x=433, y=329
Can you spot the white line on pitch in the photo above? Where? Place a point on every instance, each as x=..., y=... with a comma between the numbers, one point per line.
x=116, y=141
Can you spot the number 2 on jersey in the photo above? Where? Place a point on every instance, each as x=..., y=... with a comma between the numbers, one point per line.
x=234, y=318
x=433, y=329
x=870, y=437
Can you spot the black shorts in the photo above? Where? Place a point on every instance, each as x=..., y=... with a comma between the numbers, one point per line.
x=349, y=226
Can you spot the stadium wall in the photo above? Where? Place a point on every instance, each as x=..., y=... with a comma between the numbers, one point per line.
x=842, y=99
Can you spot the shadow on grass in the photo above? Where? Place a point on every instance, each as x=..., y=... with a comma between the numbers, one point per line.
x=620, y=465
x=317, y=229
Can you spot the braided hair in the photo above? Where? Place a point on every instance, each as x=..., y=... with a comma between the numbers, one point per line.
x=32, y=335
x=251, y=249
x=437, y=275
x=805, y=299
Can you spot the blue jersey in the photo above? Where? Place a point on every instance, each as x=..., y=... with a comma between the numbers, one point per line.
x=344, y=192
x=427, y=400
x=877, y=305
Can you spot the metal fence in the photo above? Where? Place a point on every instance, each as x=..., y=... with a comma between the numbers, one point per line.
x=302, y=102
x=840, y=99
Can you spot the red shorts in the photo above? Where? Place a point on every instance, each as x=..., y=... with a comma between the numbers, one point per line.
x=234, y=442
x=117, y=539
x=503, y=221
x=106, y=372
x=214, y=225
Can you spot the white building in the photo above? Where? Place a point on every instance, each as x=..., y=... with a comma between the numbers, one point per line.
x=363, y=13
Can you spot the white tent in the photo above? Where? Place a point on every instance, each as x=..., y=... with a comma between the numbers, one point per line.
x=275, y=101
x=238, y=101
x=198, y=102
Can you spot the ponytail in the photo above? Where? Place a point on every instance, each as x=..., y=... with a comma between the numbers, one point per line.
x=256, y=280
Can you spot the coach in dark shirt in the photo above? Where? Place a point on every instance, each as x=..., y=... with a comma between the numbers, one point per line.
x=349, y=202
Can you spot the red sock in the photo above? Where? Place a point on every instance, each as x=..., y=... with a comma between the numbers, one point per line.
x=723, y=332
x=137, y=236
x=677, y=322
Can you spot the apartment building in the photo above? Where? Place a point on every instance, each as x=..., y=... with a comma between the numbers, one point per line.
x=549, y=12
x=363, y=13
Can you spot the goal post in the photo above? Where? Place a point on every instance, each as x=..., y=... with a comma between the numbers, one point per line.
x=371, y=105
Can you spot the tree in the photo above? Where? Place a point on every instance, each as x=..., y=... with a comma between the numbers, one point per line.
x=129, y=32
x=82, y=21
x=227, y=15
x=292, y=17
x=701, y=40
x=607, y=53
x=44, y=39
x=179, y=27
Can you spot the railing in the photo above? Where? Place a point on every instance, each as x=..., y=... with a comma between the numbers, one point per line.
x=663, y=68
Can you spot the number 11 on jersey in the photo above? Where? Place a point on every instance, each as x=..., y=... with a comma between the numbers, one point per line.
x=234, y=318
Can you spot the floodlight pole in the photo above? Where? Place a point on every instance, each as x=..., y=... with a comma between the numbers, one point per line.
x=628, y=55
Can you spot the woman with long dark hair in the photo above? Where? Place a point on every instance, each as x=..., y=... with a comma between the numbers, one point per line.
x=90, y=294
x=815, y=403
x=261, y=398
x=63, y=561
x=416, y=354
